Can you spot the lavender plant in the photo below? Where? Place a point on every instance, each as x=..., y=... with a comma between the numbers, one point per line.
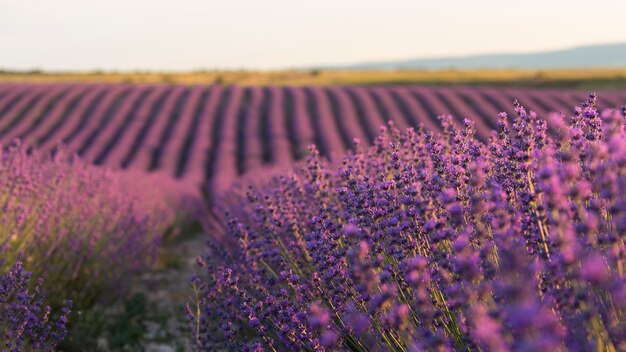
x=25, y=320
x=430, y=242
x=83, y=229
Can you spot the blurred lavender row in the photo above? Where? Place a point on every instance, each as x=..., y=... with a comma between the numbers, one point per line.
x=70, y=231
x=209, y=135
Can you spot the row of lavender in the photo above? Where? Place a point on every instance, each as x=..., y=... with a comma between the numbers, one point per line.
x=211, y=134
x=428, y=242
x=71, y=237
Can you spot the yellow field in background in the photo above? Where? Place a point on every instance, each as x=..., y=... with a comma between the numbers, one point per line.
x=579, y=78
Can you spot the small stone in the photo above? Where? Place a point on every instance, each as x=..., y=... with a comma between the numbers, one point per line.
x=159, y=347
x=152, y=329
x=102, y=344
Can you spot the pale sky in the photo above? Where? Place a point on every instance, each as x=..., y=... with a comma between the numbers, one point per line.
x=268, y=34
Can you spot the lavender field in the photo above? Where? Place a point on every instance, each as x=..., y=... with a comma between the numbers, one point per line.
x=337, y=218
x=312, y=176
x=209, y=135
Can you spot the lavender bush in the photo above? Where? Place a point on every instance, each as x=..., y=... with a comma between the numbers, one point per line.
x=83, y=229
x=25, y=320
x=431, y=242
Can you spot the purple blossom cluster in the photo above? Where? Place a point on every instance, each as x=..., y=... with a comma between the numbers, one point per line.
x=433, y=242
x=25, y=321
x=82, y=228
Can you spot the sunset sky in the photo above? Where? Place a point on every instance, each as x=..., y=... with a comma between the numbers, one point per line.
x=268, y=34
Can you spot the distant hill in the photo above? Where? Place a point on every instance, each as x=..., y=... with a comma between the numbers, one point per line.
x=592, y=56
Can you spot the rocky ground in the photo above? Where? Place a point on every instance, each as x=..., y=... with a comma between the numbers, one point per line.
x=151, y=319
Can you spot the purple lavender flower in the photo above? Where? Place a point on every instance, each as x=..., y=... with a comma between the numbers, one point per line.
x=25, y=321
x=434, y=242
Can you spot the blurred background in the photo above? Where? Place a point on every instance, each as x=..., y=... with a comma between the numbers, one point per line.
x=205, y=91
x=206, y=36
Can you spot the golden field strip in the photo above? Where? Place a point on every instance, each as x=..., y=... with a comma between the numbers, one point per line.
x=579, y=78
